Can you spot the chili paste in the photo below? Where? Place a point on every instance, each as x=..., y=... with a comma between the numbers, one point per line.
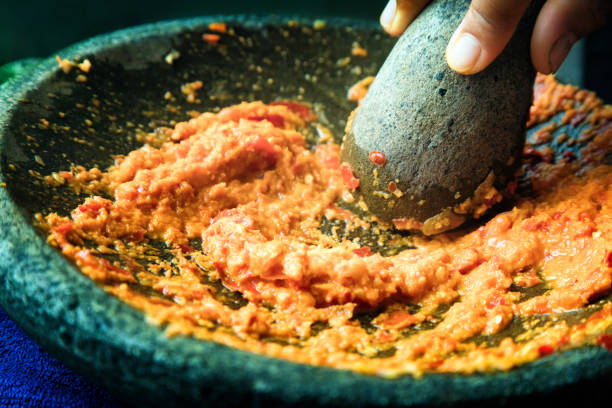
x=238, y=198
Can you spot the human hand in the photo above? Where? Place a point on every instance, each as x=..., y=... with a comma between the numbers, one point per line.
x=489, y=24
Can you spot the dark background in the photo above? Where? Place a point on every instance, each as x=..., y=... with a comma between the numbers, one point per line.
x=37, y=28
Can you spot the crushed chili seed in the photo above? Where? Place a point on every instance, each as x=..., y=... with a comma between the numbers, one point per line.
x=378, y=158
x=212, y=39
x=605, y=340
x=363, y=251
x=349, y=178
x=546, y=349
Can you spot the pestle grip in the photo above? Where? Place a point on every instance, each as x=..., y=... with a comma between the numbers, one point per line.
x=443, y=134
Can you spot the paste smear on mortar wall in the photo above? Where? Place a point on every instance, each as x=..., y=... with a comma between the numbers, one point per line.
x=238, y=199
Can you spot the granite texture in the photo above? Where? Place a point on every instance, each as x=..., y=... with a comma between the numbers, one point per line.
x=442, y=132
x=109, y=342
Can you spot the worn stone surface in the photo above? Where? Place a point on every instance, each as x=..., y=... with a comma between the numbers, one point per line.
x=111, y=343
x=442, y=132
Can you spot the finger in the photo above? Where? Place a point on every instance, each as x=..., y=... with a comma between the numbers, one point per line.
x=398, y=14
x=482, y=35
x=559, y=25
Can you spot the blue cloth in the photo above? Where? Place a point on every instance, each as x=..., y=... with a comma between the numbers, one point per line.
x=29, y=377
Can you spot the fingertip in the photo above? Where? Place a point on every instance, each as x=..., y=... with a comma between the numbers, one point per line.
x=483, y=34
x=559, y=25
x=397, y=15
x=551, y=23
x=387, y=15
x=394, y=30
x=390, y=19
x=463, y=53
x=560, y=50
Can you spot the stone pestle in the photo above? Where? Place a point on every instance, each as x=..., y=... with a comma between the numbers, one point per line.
x=451, y=142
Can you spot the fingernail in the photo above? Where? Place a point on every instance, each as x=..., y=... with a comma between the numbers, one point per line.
x=388, y=13
x=560, y=50
x=463, y=53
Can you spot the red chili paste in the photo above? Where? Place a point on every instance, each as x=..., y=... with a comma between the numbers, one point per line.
x=245, y=183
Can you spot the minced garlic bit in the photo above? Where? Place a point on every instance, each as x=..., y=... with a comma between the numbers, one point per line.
x=361, y=204
x=39, y=160
x=485, y=196
x=190, y=89
x=85, y=66
x=398, y=193
x=325, y=135
x=358, y=91
x=347, y=197
x=172, y=56
x=343, y=62
x=358, y=50
x=67, y=65
x=55, y=179
x=382, y=194
x=319, y=24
